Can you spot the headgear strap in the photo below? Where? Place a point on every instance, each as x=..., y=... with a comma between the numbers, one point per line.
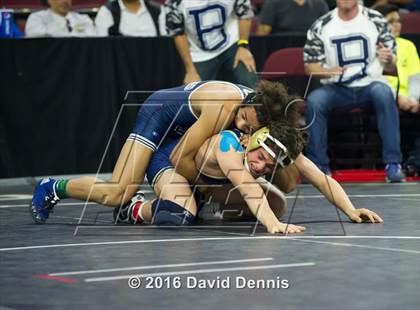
x=258, y=140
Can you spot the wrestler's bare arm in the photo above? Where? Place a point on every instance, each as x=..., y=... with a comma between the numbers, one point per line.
x=231, y=164
x=218, y=104
x=333, y=191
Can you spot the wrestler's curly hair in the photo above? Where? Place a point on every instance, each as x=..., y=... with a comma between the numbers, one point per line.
x=272, y=102
x=291, y=137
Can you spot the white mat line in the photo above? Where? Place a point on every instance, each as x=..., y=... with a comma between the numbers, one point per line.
x=280, y=237
x=7, y=197
x=198, y=271
x=406, y=199
x=359, y=246
x=26, y=205
x=357, y=196
x=287, y=197
x=141, y=227
x=164, y=266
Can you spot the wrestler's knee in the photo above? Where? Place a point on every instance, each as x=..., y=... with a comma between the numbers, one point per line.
x=167, y=212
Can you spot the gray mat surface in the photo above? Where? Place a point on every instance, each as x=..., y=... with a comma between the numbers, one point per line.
x=335, y=264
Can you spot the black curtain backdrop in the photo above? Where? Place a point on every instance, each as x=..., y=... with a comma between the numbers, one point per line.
x=60, y=98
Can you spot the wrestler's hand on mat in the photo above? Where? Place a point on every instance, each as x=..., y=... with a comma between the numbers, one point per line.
x=285, y=228
x=365, y=215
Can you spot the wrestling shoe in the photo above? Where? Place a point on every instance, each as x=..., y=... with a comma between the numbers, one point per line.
x=43, y=200
x=124, y=214
x=394, y=173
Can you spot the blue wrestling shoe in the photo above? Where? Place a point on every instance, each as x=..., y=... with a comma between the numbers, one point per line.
x=43, y=201
x=394, y=173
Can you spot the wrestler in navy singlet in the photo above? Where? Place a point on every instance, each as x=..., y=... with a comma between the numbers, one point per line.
x=168, y=113
x=160, y=162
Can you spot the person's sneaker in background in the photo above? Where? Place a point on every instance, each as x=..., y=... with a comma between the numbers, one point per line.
x=394, y=173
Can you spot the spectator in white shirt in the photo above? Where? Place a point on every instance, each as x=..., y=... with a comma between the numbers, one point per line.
x=139, y=18
x=59, y=21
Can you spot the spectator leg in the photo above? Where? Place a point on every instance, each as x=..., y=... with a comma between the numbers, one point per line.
x=244, y=77
x=208, y=69
x=320, y=103
x=380, y=95
x=240, y=73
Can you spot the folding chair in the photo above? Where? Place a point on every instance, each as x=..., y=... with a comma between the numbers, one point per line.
x=410, y=22
x=287, y=62
x=21, y=5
